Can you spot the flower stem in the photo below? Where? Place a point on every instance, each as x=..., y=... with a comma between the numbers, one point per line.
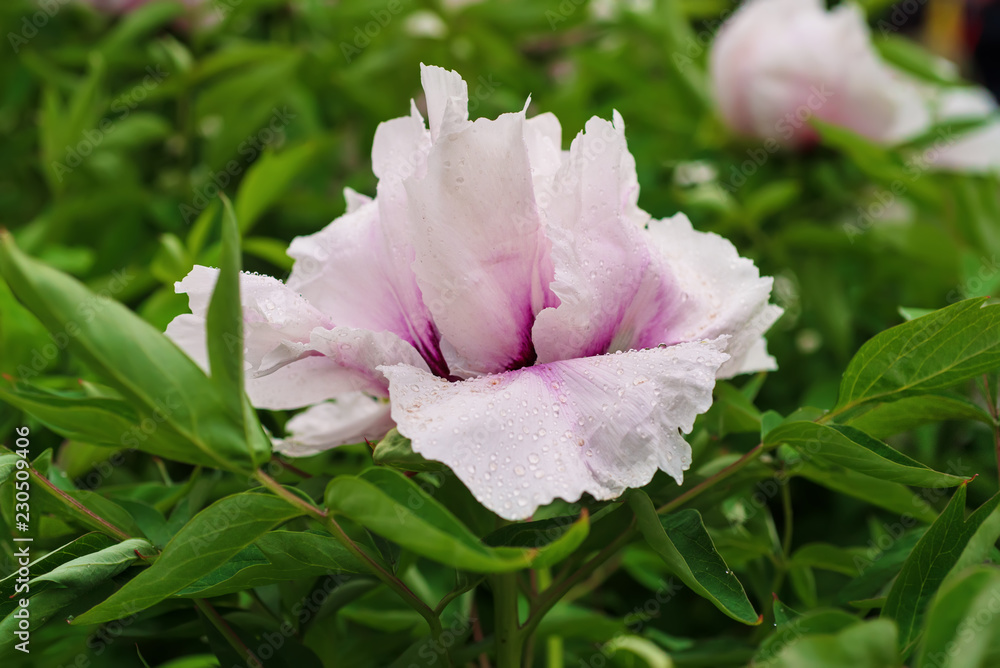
x=227, y=632
x=83, y=513
x=507, y=630
x=712, y=481
x=554, y=644
x=338, y=532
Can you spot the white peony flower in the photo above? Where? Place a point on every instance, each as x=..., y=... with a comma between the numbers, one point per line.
x=531, y=327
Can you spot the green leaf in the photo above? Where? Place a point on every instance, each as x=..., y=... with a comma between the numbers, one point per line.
x=895, y=417
x=793, y=626
x=683, y=543
x=927, y=354
x=159, y=381
x=390, y=504
x=395, y=450
x=939, y=551
x=912, y=313
x=268, y=179
x=865, y=645
x=554, y=538
x=277, y=556
x=853, y=449
x=829, y=557
x=8, y=464
x=82, y=546
x=43, y=607
x=732, y=412
x=89, y=419
x=224, y=321
x=963, y=628
x=91, y=569
x=889, y=495
x=210, y=539
x=917, y=60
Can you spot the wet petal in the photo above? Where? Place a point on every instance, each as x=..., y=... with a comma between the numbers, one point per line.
x=597, y=425
x=611, y=281
x=477, y=241
x=351, y=418
x=294, y=355
x=272, y=313
x=447, y=100
x=357, y=272
x=722, y=294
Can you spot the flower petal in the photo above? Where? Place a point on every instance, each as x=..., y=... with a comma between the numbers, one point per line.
x=611, y=281
x=447, y=100
x=477, y=241
x=272, y=313
x=294, y=355
x=358, y=273
x=351, y=418
x=597, y=425
x=722, y=293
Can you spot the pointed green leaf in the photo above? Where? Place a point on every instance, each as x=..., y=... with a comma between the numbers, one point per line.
x=929, y=353
x=158, y=381
x=91, y=569
x=390, y=504
x=853, y=449
x=895, y=417
x=277, y=556
x=224, y=321
x=963, y=627
x=554, y=539
x=210, y=539
x=937, y=553
x=683, y=543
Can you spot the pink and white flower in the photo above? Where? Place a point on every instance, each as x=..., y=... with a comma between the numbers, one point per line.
x=506, y=305
x=777, y=64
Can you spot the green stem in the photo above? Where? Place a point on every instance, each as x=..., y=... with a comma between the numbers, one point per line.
x=338, y=532
x=83, y=513
x=507, y=631
x=227, y=632
x=554, y=645
x=714, y=480
x=555, y=593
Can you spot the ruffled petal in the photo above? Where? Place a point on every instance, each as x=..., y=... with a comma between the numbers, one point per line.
x=613, y=289
x=294, y=355
x=447, y=98
x=272, y=313
x=721, y=294
x=357, y=272
x=595, y=425
x=477, y=240
x=351, y=418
